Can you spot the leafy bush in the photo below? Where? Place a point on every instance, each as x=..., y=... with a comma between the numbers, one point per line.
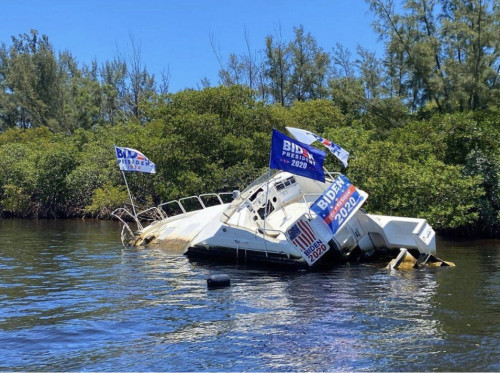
x=107, y=199
x=445, y=169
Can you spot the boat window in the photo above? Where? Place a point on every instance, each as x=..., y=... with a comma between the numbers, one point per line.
x=260, y=180
x=286, y=183
x=253, y=196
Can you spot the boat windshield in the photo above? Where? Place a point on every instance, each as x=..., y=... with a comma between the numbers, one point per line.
x=260, y=180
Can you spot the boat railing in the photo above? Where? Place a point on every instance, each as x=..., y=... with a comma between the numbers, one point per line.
x=151, y=214
x=215, y=195
x=309, y=203
x=162, y=206
x=122, y=214
x=194, y=198
x=201, y=200
x=270, y=232
x=159, y=212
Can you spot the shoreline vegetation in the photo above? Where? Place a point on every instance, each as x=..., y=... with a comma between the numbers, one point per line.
x=421, y=123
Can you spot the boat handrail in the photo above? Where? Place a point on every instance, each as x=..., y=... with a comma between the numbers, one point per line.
x=263, y=230
x=330, y=174
x=211, y=194
x=119, y=212
x=218, y=195
x=198, y=198
x=158, y=213
x=193, y=197
x=155, y=210
x=170, y=202
x=308, y=204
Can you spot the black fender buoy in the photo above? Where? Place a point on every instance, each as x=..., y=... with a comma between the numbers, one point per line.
x=218, y=281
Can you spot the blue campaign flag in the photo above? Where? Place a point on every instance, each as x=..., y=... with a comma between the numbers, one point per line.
x=296, y=157
x=338, y=203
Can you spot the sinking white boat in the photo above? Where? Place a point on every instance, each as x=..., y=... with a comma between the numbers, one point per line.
x=286, y=219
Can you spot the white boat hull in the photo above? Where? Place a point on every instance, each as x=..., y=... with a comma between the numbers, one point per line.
x=238, y=229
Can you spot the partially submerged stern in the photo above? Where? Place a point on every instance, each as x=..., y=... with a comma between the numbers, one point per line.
x=275, y=221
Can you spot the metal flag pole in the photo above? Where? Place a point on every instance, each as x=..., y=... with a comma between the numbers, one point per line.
x=265, y=209
x=267, y=195
x=267, y=185
x=330, y=174
x=131, y=201
x=267, y=200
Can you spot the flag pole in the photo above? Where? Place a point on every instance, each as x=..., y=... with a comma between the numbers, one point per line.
x=265, y=207
x=131, y=201
x=267, y=195
x=328, y=172
x=267, y=198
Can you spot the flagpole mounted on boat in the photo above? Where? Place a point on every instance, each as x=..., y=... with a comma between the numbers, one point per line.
x=133, y=160
x=132, y=202
x=265, y=208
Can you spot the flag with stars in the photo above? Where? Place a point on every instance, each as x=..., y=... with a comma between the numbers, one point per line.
x=308, y=138
x=338, y=203
x=296, y=157
x=303, y=236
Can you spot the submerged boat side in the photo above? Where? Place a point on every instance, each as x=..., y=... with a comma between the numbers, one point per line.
x=272, y=222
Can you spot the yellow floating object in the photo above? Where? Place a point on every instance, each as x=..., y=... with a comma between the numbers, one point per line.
x=405, y=260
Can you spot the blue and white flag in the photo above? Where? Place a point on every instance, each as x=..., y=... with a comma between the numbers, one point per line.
x=308, y=138
x=338, y=203
x=133, y=160
x=296, y=157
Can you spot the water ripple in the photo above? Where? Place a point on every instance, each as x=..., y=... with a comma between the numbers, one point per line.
x=72, y=299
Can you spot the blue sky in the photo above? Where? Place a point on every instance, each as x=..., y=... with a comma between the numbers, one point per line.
x=175, y=35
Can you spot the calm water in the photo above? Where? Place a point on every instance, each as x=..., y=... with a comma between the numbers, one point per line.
x=71, y=299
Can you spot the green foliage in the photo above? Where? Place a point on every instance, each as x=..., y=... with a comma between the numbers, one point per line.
x=421, y=123
x=16, y=201
x=317, y=115
x=53, y=166
x=441, y=52
x=40, y=88
x=446, y=169
x=348, y=94
x=16, y=135
x=406, y=181
x=107, y=199
x=206, y=136
x=18, y=178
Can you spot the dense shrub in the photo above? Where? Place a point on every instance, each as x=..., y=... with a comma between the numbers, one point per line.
x=444, y=169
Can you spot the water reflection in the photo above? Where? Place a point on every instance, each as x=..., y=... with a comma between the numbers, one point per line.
x=72, y=299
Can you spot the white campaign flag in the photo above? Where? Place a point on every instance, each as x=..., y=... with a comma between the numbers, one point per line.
x=336, y=150
x=302, y=135
x=308, y=138
x=133, y=160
